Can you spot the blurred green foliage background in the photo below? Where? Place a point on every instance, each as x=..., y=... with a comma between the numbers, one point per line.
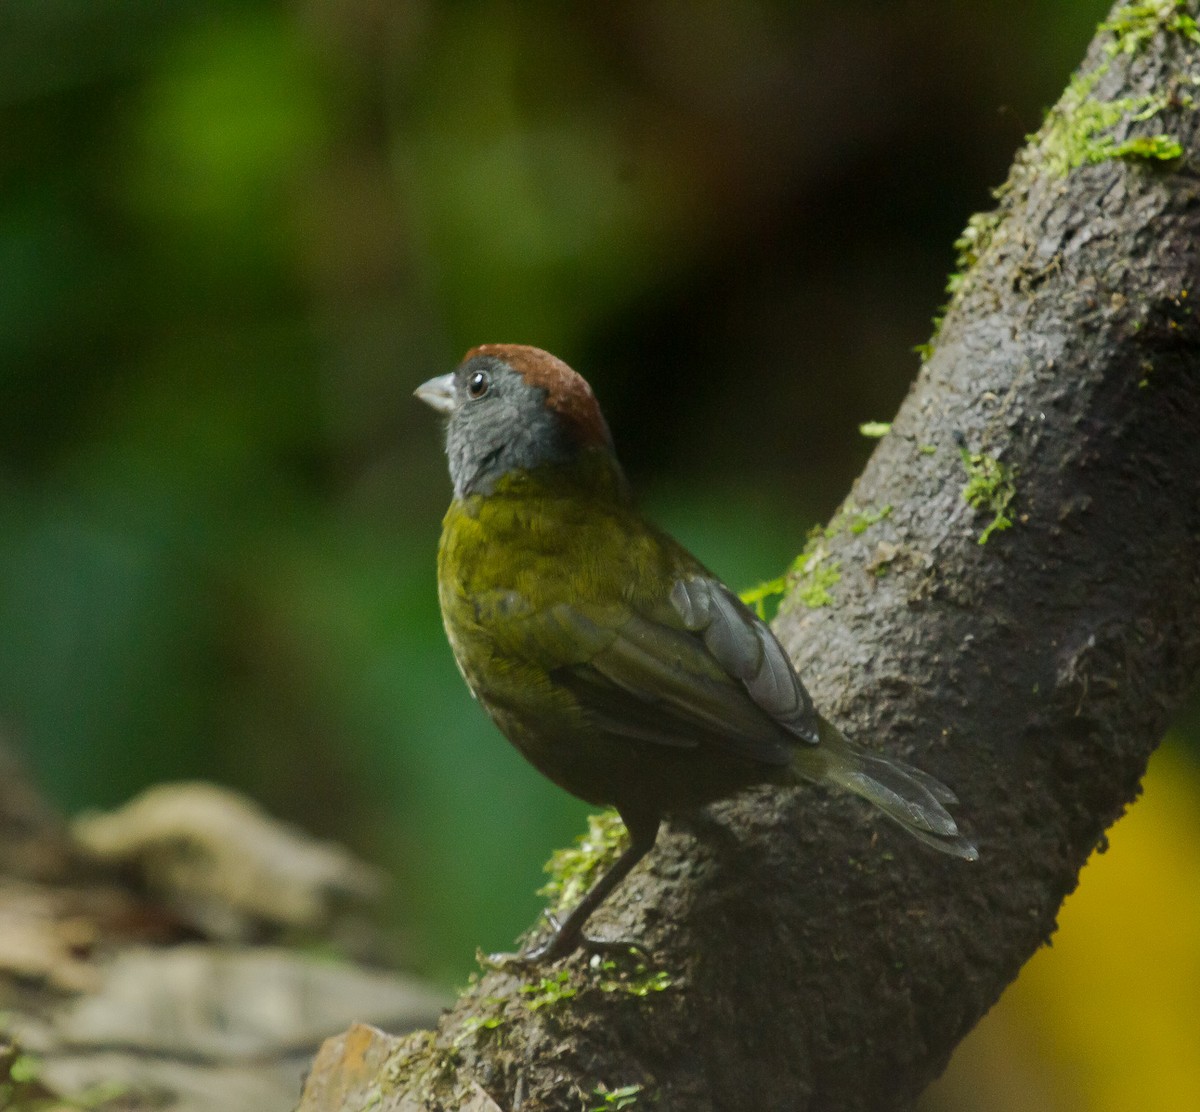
x=235, y=236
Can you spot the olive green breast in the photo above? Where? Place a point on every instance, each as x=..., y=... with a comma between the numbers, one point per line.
x=531, y=544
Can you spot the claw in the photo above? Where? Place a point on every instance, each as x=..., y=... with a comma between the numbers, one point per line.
x=505, y=962
x=559, y=945
x=612, y=947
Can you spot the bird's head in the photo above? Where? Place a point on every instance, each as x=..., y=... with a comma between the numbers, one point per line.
x=512, y=408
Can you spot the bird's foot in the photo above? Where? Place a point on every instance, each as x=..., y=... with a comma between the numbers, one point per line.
x=613, y=947
x=503, y=962
x=562, y=943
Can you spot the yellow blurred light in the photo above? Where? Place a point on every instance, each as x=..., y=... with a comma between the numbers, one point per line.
x=1105, y=1019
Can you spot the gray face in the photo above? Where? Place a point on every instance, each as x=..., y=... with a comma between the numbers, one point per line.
x=499, y=423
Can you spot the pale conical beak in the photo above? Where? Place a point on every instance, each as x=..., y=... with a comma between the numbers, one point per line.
x=438, y=393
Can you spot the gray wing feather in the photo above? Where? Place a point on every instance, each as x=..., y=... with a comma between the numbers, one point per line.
x=746, y=648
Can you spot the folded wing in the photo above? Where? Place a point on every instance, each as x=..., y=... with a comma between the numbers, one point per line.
x=698, y=670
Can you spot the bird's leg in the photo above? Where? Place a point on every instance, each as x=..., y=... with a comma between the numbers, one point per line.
x=568, y=935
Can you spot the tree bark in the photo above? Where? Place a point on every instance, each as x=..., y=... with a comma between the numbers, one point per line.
x=816, y=957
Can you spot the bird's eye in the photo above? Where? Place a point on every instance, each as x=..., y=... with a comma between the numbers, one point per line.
x=479, y=384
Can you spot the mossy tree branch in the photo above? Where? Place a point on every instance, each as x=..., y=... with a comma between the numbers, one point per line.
x=808, y=955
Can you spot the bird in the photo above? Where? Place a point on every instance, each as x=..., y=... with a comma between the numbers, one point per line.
x=614, y=661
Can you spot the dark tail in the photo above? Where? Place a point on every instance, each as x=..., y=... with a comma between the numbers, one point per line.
x=905, y=794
